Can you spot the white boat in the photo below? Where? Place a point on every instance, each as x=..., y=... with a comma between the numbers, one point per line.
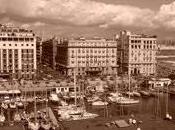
x=2, y=118
x=137, y=94
x=116, y=94
x=130, y=93
x=113, y=99
x=127, y=101
x=85, y=115
x=145, y=93
x=93, y=99
x=99, y=103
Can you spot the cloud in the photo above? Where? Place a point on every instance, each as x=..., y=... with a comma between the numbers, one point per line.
x=37, y=24
x=79, y=12
x=87, y=13
x=166, y=15
x=25, y=26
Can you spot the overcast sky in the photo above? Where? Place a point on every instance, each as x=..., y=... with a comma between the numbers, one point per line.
x=91, y=17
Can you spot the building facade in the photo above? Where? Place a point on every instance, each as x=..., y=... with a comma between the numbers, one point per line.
x=49, y=52
x=38, y=49
x=87, y=56
x=137, y=53
x=17, y=52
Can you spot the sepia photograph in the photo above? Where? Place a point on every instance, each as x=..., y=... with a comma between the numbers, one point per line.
x=87, y=65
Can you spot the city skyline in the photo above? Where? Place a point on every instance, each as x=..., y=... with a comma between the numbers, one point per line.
x=91, y=17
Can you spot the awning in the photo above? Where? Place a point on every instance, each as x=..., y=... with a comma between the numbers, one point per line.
x=14, y=91
x=4, y=92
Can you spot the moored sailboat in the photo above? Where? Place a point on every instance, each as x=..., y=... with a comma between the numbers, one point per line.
x=127, y=100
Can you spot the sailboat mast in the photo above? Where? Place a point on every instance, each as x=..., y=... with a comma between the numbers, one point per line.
x=167, y=101
x=46, y=103
x=129, y=82
x=75, y=87
x=34, y=103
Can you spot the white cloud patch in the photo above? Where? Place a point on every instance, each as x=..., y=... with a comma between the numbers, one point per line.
x=37, y=24
x=88, y=12
x=166, y=15
x=79, y=12
x=25, y=26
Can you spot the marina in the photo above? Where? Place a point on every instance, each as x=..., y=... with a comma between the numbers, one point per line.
x=87, y=65
x=149, y=111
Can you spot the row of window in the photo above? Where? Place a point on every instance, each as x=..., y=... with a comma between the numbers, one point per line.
x=93, y=61
x=20, y=44
x=112, y=56
x=103, y=44
x=147, y=41
x=144, y=46
x=95, y=51
x=16, y=39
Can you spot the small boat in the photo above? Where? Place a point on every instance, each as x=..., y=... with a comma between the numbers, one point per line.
x=137, y=94
x=129, y=93
x=99, y=103
x=127, y=101
x=145, y=93
x=93, y=99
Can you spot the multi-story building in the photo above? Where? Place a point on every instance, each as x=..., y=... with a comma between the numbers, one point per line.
x=38, y=49
x=88, y=56
x=17, y=52
x=49, y=52
x=137, y=53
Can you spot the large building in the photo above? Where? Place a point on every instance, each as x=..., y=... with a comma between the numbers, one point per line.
x=89, y=56
x=137, y=53
x=38, y=49
x=49, y=52
x=17, y=52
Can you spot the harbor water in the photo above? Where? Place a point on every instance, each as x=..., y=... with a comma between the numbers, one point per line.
x=156, y=106
x=148, y=107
